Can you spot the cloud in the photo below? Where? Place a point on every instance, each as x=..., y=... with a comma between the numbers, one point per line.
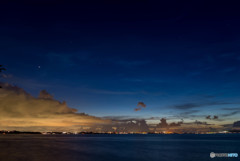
x=111, y=92
x=45, y=95
x=97, y=91
x=22, y=110
x=236, y=124
x=186, y=106
x=19, y=110
x=6, y=75
x=163, y=123
x=137, y=109
x=235, y=110
x=188, y=112
x=214, y=117
x=129, y=118
x=140, y=105
x=230, y=114
x=231, y=109
x=208, y=117
x=201, y=123
x=134, y=126
x=194, y=105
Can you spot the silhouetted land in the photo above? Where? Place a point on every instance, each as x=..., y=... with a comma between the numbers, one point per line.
x=19, y=132
x=95, y=133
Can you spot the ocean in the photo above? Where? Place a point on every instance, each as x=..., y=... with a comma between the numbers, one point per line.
x=104, y=147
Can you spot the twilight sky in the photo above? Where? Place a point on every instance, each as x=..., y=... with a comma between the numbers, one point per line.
x=181, y=59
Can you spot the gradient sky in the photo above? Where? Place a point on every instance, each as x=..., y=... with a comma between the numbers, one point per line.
x=181, y=59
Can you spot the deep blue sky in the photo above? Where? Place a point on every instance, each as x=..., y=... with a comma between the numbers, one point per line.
x=182, y=59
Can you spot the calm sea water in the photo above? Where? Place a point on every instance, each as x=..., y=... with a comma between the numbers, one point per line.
x=187, y=147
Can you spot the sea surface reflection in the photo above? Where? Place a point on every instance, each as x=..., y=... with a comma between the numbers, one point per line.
x=103, y=147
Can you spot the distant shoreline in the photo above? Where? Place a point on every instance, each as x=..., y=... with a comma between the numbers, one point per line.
x=109, y=133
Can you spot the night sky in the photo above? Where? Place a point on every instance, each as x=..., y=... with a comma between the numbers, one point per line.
x=181, y=59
